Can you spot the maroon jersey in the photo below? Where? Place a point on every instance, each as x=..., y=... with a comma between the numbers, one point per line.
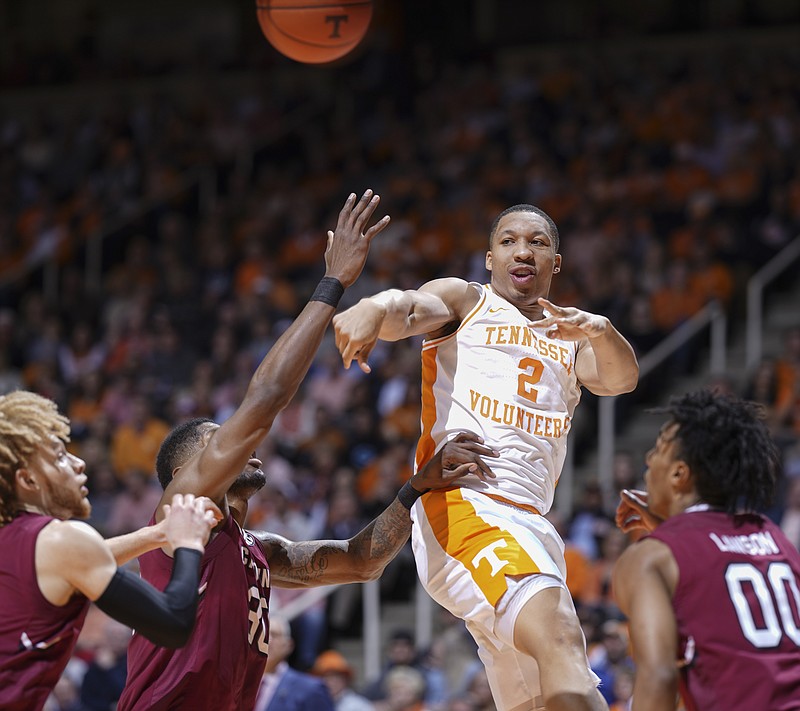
x=36, y=637
x=737, y=604
x=221, y=665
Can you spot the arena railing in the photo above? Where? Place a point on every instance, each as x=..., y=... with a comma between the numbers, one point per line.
x=755, y=298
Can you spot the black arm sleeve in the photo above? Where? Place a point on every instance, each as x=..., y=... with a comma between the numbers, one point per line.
x=165, y=618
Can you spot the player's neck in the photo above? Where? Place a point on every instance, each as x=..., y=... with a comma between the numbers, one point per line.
x=238, y=508
x=29, y=507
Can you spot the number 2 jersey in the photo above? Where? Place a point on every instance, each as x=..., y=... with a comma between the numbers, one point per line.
x=503, y=379
x=221, y=665
x=737, y=605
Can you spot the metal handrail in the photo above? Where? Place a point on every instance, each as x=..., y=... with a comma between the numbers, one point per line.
x=755, y=298
x=711, y=316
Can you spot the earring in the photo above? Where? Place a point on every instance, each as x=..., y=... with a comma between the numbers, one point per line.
x=556, y=270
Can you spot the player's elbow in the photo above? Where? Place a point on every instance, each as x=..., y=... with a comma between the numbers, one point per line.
x=174, y=635
x=623, y=382
x=369, y=570
x=630, y=381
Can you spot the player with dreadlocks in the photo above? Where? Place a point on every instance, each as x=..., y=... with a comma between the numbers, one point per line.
x=52, y=567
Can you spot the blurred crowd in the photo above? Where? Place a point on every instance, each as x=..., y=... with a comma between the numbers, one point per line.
x=672, y=177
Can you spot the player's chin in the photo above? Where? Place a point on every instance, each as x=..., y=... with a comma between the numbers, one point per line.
x=83, y=510
x=248, y=482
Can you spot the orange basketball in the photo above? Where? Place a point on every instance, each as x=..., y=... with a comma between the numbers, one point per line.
x=314, y=31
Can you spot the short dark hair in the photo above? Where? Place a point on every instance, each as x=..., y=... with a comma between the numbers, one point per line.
x=178, y=446
x=524, y=207
x=728, y=447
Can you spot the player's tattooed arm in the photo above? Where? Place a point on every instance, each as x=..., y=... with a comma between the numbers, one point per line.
x=330, y=562
x=364, y=556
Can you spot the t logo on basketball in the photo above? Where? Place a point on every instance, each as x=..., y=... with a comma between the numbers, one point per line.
x=336, y=20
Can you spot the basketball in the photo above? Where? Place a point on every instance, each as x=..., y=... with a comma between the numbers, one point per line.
x=314, y=31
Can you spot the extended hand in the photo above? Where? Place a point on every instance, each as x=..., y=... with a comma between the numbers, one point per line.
x=348, y=246
x=569, y=323
x=357, y=331
x=461, y=455
x=633, y=512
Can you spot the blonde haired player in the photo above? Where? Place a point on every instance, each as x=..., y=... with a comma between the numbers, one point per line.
x=504, y=362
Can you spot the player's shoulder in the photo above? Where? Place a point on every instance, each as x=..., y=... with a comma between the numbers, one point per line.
x=647, y=554
x=450, y=287
x=71, y=535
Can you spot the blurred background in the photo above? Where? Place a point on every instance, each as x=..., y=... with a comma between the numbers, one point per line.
x=167, y=179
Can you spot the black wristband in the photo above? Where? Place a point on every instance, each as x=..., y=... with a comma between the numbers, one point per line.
x=329, y=291
x=408, y=495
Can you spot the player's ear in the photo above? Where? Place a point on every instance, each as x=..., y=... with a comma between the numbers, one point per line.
x=682, y=479
x=26, y=480
x=489, y=260
x=557, y=264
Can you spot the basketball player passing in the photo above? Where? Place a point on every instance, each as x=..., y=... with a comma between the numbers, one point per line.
x=503, y=361
x=202, y=457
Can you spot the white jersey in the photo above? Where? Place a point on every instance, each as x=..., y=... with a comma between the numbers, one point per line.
x=501, y=378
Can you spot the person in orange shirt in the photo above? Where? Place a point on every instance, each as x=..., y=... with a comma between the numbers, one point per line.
x=134, y=445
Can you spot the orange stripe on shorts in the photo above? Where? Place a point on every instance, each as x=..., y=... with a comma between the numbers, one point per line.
x=488, y=552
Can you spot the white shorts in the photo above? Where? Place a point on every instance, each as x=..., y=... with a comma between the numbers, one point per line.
x=466, y=544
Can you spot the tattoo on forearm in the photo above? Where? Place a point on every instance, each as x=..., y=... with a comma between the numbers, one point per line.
x=304, y=562
x=386, y=535
x=329, y=562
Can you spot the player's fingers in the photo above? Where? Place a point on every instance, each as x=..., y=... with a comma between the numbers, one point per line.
x=480, y=449
x=545, y=322
x=349, y=352
x=166, y=508
x=460, y=470
x=550, y=306
x=377, y=228
x=360, y=206
x=633, y=498
x=362, y=363
x=366, y=212
x=347, y=208
x=484, y=470
x=468, y=437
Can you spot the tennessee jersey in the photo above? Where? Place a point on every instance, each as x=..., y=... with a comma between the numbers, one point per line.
x=503, y=379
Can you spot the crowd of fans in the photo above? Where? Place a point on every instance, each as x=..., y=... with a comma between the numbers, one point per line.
x=672, y=177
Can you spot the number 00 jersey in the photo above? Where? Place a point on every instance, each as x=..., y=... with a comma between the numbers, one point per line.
x=503, y=379
x=737, y=605
x=221, y=665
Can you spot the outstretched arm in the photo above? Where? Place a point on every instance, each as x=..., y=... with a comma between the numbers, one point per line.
x=394, y=314
x=606, y=363
x=73, y=557
x=364, y=556
x=128, y=546
x=214, y=468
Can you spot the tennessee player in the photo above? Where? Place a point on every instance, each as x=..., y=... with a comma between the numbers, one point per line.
x=504, y=362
